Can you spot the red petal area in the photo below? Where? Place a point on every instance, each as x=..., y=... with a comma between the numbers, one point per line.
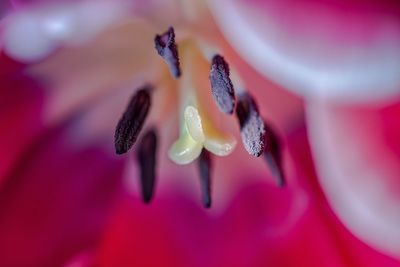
x=8, y=66
x=139, y=235
x=55, y=202
x=21, y=102
x=263, y=226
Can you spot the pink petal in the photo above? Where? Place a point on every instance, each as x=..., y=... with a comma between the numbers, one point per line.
x=356, y=149
x=82, y=75
x=55, y=201
x=262, y=226
x=21, y=104
x=5, y=7
x=342, y=50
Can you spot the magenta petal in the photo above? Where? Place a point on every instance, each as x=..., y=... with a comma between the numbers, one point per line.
x=21, y=101
x=54, y=203
x=263, y=226
x=356, y=151
x=5, y=8
x=139, y=235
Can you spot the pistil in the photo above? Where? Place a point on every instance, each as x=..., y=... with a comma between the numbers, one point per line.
x=197, y=130
x=186, y=149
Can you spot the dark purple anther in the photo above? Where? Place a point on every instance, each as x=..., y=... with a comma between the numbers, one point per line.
x=146, y=156
x=273, y=156
x=167, y=49
x=252, y=126
x=221, y=85
x=205, y=167
x=131, y=122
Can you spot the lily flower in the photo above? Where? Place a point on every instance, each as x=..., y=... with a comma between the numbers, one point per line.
x=192, y=65
x=106, y=101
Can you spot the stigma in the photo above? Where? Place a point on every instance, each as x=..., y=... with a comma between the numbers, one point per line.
x=200, y=137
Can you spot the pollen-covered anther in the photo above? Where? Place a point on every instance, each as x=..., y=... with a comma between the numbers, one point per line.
x=221, y=85
x=205, y=168
x=252, y=126
x=146, y=156
x=273, y=155
x=131, y=122
x=167, y=49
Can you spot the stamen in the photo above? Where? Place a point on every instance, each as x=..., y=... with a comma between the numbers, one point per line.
x=252, y=126
x=167, y=49
x=129, y=126
x=146, y=156
x=221, y=85
x=186, y=149
x=273, y=156
x=205, y=167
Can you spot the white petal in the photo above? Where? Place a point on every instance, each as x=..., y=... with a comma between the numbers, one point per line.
x=96, y=16
x=59, y=23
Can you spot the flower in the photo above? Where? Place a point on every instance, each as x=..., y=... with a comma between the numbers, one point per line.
x=69, y=200
x=196, y=61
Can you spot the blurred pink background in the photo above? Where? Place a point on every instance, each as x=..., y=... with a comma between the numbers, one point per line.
x=325, y=74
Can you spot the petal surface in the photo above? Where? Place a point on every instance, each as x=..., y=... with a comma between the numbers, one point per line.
x=21, y=106
x=356, y=151
x=261, y=226
x=54, y=203
x=341, y=50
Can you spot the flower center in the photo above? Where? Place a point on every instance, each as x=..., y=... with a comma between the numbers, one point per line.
x=199, y=136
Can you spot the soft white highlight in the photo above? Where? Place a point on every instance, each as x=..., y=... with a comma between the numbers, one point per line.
x=32, y=34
